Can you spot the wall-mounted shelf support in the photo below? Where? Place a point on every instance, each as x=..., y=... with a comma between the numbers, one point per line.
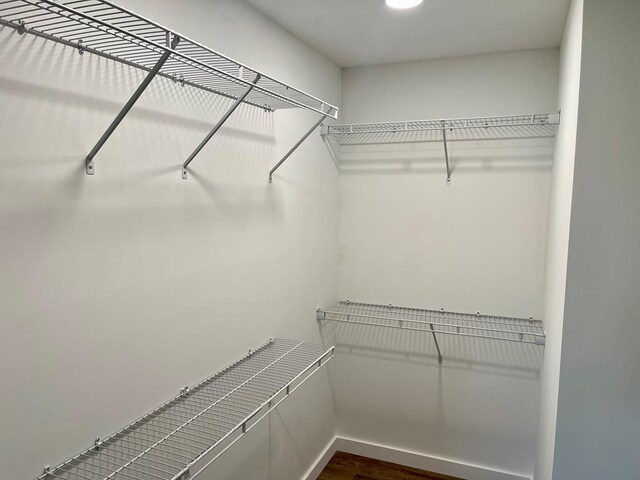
x=510, y=329
x=221, y=122
x=172, y=43
x=295, y=147
x=435, y=341
x=446, y=152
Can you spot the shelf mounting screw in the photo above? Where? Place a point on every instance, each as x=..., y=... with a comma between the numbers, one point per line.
x=81, y=48
x=22, y=27
x=47, y=470
x=179, y=78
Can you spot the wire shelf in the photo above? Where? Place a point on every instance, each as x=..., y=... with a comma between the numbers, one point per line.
x=457, y=129
x=510, y=329
x=193, y=429
x=103, y=28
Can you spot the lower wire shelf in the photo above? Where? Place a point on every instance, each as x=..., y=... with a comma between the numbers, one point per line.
x=181, y=438
x=510, y=329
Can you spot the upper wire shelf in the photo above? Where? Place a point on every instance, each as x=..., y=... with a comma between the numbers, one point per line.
x=510, y=329
x=182, y=437
x=509, y=127
x=479, y=128
x=106, y=29
x=103, y=28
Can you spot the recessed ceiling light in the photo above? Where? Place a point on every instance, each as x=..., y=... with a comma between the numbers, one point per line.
x=403, y=3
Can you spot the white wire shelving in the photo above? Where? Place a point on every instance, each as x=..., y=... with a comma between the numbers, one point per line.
x=509, y=329
x=106, y=29
x=184, y=436
x=510, y=127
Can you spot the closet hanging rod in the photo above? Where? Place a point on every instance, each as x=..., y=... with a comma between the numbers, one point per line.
x=183, y=437
x=508, y=329
x=103, y=28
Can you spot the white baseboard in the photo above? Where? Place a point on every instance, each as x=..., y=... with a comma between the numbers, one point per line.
x=321, y=461
x=411, y=459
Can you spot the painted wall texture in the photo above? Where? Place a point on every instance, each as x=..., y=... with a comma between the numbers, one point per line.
x=558, y=240
x=598, y=422
x=118, y=289
x=478, y=244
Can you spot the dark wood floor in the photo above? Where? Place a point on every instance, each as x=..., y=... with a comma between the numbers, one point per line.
x=344, y=466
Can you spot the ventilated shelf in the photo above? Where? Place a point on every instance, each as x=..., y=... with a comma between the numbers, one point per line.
x=509, y=329
x=511, y=127
x=181, y=438
x=106, y=29
x=483, y=128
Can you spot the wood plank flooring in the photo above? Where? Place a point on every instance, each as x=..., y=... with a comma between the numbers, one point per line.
x=345, y=466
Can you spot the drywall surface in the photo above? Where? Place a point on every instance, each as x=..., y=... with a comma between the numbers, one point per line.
x=478, y=244
x=558, y=240
x=118, y=289
x=598, y=421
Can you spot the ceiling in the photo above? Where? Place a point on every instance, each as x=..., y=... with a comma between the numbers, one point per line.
x=367, y=32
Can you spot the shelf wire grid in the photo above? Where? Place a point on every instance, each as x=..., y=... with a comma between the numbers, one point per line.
x=170, y=441
x=104, y=28
x=460, y=129
x=509, y=329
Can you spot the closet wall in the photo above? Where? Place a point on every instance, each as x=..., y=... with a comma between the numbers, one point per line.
x=478, y=244
x=558, y=241
x=119, y=289
x=598, y=427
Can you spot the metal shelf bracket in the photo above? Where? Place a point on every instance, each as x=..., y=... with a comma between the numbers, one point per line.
x=446, y=152
x=295, y=147
x=218, y=125
x=171, y=43
x=435, y=340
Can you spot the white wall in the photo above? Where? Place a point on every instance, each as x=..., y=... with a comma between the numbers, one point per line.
x=598, y=423
x=116, y=290
x=406, y=236
x=558, y=240
x=478, y=244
